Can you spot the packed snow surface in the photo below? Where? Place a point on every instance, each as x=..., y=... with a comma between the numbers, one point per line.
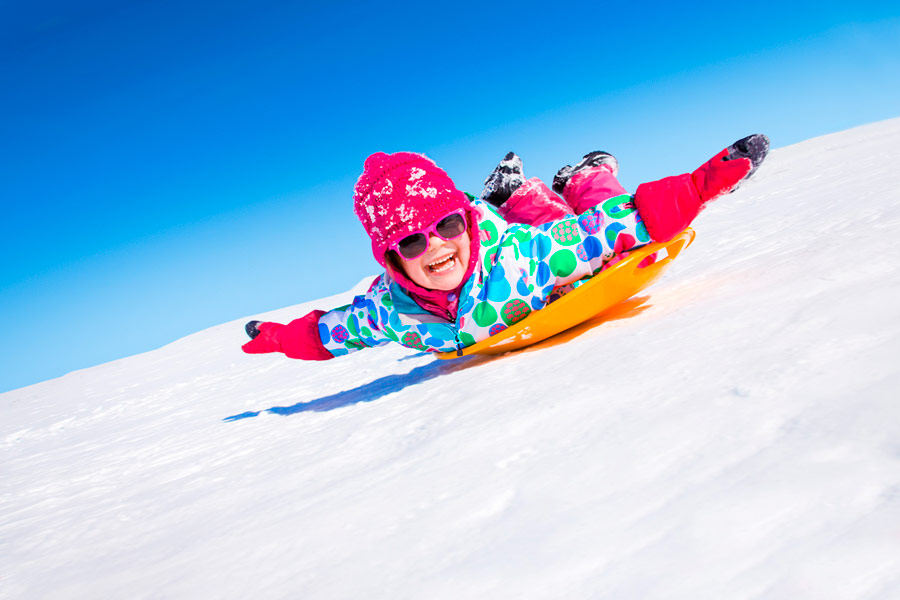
x=735, y=433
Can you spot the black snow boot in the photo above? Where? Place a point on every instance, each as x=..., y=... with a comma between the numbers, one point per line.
x=591, y=159
x=755, y=147
x=506, y=178
x=251, y=328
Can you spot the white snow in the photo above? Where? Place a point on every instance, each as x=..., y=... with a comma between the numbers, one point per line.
x=736, y=435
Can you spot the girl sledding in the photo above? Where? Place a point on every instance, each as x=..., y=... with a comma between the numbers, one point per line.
x=459, y=270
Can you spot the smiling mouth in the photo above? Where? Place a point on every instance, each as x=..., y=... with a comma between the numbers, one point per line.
x=443, y=265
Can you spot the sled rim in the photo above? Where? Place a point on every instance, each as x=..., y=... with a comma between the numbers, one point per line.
x=628, y=277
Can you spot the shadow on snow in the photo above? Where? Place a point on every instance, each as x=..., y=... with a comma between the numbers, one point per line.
x=394, y=383
x=374, y=389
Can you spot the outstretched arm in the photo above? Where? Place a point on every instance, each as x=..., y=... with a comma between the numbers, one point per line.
x=671, y=204
x=322, y=335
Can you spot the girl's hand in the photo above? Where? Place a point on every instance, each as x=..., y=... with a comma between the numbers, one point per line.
x=298, y=339
x=262, y=343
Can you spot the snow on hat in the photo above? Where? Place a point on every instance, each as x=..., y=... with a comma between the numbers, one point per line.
x=398, y=194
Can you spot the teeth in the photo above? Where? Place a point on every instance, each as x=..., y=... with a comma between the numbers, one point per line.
x=442, y=264
x=440, y=260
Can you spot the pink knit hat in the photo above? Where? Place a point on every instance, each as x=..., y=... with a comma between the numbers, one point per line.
x=400, y=193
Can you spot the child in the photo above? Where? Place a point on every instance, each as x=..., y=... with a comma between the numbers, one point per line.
x=458, y=270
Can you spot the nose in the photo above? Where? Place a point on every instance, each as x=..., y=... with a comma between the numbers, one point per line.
x=434, y=241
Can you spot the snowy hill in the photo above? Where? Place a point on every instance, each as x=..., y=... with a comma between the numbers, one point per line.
x=735, y=435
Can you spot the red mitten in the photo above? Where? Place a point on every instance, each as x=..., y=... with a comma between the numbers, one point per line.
x=720, y=175
x=669, y=205
x=298, y=339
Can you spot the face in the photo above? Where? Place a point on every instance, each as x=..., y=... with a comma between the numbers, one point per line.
x=443, y=265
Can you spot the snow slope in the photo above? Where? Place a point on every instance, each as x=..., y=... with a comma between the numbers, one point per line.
x=735, y=435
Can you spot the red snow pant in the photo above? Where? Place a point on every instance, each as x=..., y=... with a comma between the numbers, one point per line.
x=666, y=206
x=535, y=204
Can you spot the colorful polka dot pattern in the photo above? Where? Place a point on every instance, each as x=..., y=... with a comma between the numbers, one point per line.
x=411, y=339
x=520, y=269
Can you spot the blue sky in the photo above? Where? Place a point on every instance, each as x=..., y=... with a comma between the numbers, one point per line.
x=168, y=166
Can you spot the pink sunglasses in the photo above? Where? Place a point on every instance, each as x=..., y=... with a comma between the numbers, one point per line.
x=415, y=244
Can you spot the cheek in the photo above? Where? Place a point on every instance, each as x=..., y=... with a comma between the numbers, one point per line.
x=465, y=248
x=406, y=267
x=415, y=271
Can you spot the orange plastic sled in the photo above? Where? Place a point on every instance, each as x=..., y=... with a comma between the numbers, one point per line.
x=610, y=287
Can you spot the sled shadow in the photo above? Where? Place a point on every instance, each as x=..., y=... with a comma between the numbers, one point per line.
x=374, y=389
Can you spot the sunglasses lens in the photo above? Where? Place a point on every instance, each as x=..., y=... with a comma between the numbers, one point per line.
x=451, y=226
x=413, y=245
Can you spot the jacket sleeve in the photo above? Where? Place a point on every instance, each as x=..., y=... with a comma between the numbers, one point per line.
x=364, y=323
